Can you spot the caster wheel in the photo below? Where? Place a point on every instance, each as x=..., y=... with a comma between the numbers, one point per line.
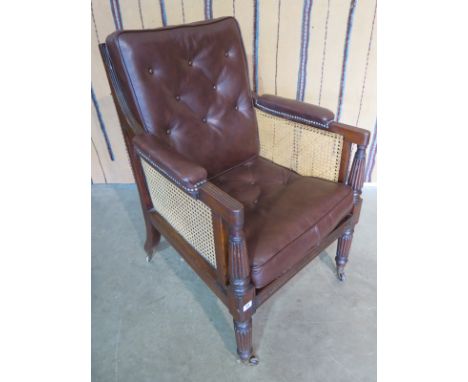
x=252, y=361
x=341, y=276
x=149, y=258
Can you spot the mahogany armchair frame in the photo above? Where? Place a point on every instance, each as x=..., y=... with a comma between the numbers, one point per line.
x=231, y=281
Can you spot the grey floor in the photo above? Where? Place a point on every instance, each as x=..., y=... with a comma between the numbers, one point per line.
x=159, y=322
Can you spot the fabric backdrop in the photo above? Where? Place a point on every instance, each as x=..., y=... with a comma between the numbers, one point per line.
x=317, y=51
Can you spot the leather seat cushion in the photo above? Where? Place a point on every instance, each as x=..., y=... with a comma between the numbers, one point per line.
x=285, y=214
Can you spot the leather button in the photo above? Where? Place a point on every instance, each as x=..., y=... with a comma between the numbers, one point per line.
x=252, y=182
x=226, y=54
x=215, y=87
x=168, y=131
x=150, y=70
x=177, y=98
x=190, y=63
x=204, y=120
x=236, y=107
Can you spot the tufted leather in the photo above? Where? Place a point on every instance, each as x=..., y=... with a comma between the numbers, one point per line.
x=182, y=171
x=188, y=86
x=295, y=110
x=285, y=214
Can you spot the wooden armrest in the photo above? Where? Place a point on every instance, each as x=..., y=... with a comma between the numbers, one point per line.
x=221, y=203
x=233, y=260
x=350, y=133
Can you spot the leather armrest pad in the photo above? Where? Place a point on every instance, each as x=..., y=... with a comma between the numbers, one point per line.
x=187, y=174
x=295, y=110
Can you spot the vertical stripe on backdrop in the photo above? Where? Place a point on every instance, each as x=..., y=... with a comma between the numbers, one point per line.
x=101, y=124
x=234, y=8
x=141, y=14
x=372, y=152
x=367, y=64
x=255, y=46
x=277, y=46
x=183, y=10
x=305, y=37
x=349, y=28
x=94, y=23
x=162, y=5
x=99, y=159
x=324, y=53
x=116, y=14
x=208, y=9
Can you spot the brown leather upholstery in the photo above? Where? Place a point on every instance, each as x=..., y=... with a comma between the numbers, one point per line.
x=174, y=165
x=295, y=110
x=253, y=224
x=285, y=214
x=188, y=85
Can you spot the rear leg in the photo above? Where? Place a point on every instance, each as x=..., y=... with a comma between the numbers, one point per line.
x=152, y=240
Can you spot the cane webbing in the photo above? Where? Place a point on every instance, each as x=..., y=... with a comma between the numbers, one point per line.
x=305, y=149
x=190, y=217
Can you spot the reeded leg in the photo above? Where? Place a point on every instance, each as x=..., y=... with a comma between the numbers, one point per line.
x=152, y=240
x=243, y=330
x=342, y=252
x=241, y=294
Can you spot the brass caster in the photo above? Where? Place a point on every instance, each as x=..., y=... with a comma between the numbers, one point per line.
x=341, y=276
x=251, y=361
x=150, y=249
x=149, y=253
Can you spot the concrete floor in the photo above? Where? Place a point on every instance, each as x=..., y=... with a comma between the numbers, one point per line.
x=159, y=322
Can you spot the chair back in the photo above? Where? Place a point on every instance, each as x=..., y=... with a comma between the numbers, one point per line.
x=189, y=86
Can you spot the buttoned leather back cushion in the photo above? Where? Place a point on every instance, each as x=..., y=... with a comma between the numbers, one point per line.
x=188, y=85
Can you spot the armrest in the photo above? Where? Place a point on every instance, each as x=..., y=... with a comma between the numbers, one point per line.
x=189, y=176
x=312, y=115
x=295, y=110
x=231, y=210
x=352, y=134
x=184, y=173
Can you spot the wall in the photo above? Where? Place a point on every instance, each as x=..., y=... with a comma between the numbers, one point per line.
x=318, y=51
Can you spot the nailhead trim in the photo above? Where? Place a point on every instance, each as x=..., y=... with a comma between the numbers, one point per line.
x=175, y=180
x=291, y=116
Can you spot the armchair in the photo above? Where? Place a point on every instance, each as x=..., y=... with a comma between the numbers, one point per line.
x=248, y=189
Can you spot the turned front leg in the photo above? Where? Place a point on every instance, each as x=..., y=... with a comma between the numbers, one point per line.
x=356, y=181
x=243, y=331
x=241, y=295
x=342, y=252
